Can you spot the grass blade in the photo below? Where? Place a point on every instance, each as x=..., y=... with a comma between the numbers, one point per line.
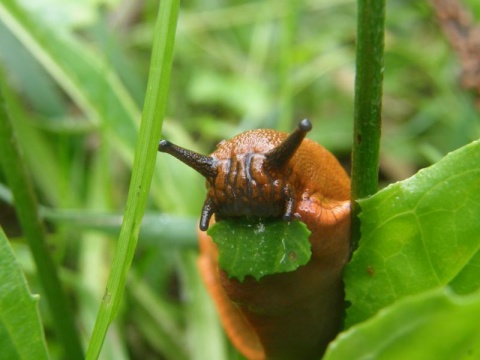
x=143, y=166
x=26, y=207
x=85, y=76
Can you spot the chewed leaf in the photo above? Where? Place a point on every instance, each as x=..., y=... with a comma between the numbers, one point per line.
x=259, y=247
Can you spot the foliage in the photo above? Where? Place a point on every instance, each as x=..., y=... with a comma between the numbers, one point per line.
x=21, y=333
x=418, y=234
x=436, y=324
x=26, y=206
x=79, y=85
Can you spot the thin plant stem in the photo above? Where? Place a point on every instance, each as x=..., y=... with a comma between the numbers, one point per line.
x=142, y=172
x=368, y=105
x=27, y=209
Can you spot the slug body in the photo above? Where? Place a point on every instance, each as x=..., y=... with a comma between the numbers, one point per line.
x=267, y=173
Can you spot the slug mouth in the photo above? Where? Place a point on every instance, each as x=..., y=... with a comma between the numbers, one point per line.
x=270, y=204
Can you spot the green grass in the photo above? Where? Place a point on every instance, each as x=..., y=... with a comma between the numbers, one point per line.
x=142, y=172
x=26, y=205
x=77, y=88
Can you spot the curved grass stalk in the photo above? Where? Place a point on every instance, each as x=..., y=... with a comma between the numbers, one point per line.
x=142, y=172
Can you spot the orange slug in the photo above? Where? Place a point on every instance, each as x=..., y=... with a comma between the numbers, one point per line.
x=267, y=173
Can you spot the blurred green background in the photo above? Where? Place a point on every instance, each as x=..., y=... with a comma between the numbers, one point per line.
x=77, y=72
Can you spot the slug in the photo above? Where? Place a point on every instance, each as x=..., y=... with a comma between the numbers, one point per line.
x=267, y=173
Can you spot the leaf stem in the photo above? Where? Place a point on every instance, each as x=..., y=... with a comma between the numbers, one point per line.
x=368, y=105
x=26, y=206
x=142, y=172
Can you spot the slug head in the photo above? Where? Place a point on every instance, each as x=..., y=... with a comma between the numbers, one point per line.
x=247, y=175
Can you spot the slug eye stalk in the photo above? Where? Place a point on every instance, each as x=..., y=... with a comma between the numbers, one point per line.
x=205, y=165
x=279, y=156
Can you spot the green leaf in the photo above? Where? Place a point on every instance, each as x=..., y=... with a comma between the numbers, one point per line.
x=418, y=234
x=259, y=247
x=21, y=334
x=434, y=325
